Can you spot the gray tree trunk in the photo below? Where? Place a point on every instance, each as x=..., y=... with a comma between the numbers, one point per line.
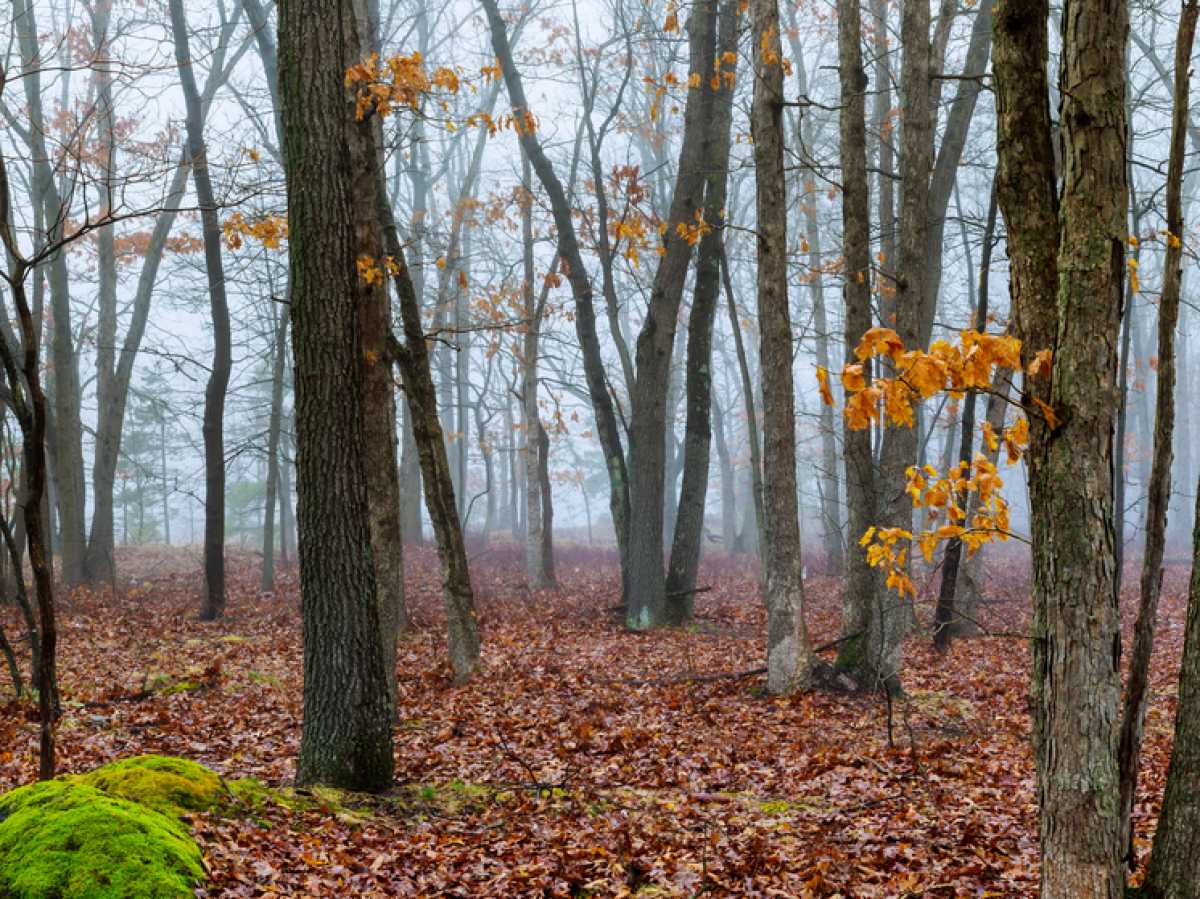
x=789, y=656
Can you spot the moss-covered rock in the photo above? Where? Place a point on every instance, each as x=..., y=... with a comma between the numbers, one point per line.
x=173, y=786
x=64, y=838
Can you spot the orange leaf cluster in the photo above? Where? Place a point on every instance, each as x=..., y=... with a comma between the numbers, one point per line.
x=400, y=81
x=268, y=230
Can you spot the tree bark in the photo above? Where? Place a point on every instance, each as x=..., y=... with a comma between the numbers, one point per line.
x=331, y=164
x=789, y=654
x=412, y=358
x=66, y=447
x=274, y=426
x=547, y=505
x=212, y=603
x=856, y=652
x=688, y=534
x=1158, y=498
x=755, y=507
x=537, y=577
x=655, y=343
x=1068, y=264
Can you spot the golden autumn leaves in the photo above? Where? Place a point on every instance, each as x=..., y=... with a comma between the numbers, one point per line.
x=918, y=375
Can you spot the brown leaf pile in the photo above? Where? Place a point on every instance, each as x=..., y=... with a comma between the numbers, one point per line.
x=586, y=760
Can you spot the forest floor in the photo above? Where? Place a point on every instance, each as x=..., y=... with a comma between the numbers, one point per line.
x=585, y=761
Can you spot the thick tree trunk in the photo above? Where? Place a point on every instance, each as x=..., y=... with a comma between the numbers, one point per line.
x=1158, y=498
x=856, y=652
x=1068, y=270
x=331, y=164
x=688, y=534
x=212, y=603
x=789, y=655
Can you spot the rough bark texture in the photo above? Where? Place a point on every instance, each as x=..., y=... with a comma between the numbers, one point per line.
x=331, y=164
x=379, y=396
x=858, y=583
x=1158, y=497
x=789, y=655
x=212, y=602
x=1067, y=280
x=688, y=535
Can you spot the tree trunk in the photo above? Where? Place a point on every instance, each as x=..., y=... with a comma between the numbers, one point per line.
x=1068, y=269
x=212, y=604
x=945, y=618
x=412, y=358
x=66, y=449
x=1174, y=869
x=274, y=425
x=789, y=655
x=856, y=652
x=914, y=320
x=379, y=386
x=581, y=291
x=536, y=575
x=688, y=534
x=1158, y=498
x=970, y=570
x=728, y=485
x=755, y=506
x=331, y=164
x=655, y=344
x=547, y=505
x=883, y=124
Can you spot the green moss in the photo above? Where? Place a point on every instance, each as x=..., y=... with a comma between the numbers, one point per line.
x=267, y=680
x=167, y=684
x=448, y=799
x=66, y=839
x=173, y=786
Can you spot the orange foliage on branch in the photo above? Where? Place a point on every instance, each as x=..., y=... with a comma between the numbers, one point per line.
x=919, y=374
